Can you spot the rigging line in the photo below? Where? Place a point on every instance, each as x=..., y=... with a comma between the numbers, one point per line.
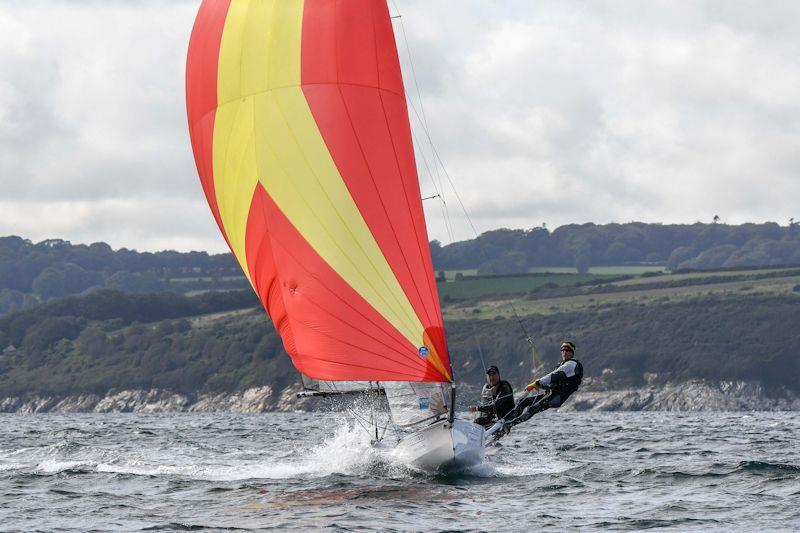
x=435, y=176
x=424, y=122
x=478, y=342
x=425, y=163
x=411, y=63
x=474, y=230
x=436, y=187
x=444, y=170
x=448, y=221
x=362, y=420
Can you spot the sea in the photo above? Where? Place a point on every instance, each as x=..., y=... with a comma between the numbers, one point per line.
x=319, y=471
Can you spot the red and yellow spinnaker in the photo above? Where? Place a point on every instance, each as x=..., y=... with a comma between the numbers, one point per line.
x=300, y=131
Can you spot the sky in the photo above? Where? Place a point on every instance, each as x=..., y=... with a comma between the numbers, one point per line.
x=541, y=112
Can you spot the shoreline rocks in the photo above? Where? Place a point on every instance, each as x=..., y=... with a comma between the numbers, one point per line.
x=690, y=396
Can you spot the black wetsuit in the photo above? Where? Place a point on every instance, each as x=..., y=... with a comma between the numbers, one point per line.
x=496, y=402
x=562, y=382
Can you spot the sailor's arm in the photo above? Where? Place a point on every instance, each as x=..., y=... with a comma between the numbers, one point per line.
x=482, y=407
x=566, y=370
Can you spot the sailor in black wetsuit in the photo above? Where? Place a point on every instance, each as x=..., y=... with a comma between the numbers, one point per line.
x=497, y=398
x=558, y=384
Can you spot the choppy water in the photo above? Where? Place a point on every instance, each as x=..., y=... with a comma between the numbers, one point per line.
x=715, y=471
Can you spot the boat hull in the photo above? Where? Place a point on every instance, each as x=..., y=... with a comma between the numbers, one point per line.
x=443, y=446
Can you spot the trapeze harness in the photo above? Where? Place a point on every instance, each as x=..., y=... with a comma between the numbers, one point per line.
x=496, y=402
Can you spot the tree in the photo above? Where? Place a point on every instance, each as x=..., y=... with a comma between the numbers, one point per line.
x=679, y=255
x=51, y=330
x=582, y=263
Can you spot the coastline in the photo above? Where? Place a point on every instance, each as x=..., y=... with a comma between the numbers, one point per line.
x=693, y=396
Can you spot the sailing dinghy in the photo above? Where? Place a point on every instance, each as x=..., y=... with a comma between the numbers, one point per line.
x=301, y=137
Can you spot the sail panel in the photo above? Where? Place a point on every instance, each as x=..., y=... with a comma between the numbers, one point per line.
x=360, y=109
x=324, y=316
x=348, y=285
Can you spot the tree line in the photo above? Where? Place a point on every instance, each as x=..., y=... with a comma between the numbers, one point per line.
x=695, y=246
x=34, y=272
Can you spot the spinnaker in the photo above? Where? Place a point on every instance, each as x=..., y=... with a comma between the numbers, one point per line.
x=300, y=131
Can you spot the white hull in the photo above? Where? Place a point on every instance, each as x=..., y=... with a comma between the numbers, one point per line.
x=443, y=446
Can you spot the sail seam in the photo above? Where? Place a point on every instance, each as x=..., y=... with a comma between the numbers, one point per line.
x=398, y=311
x=434, y=296
x=355, y=310
x=380, y=200
x=304, y=84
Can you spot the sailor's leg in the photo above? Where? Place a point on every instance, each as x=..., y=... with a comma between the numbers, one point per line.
x=554, y=401
x=523, y=403
x=537, y=407
x=524, y=410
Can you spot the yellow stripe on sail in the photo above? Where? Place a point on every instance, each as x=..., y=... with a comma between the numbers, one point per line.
x=235, y=171
x=263, y=110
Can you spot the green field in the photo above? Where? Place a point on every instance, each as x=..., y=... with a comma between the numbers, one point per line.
x=490, y=286
x=657, y=291
x=450, y=275
x=622, y=270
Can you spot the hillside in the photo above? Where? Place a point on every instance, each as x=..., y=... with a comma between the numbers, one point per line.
x=728, y=325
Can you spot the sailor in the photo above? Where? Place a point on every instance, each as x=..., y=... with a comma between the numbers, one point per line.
x=497, y=398
x=558, y=385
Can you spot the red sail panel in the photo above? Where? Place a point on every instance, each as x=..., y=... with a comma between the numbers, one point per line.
x=317, y=312
x=352, y=82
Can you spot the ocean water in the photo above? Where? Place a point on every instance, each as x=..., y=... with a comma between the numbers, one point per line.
x=592, y=471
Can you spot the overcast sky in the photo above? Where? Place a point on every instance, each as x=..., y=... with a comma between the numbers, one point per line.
x=555, y=112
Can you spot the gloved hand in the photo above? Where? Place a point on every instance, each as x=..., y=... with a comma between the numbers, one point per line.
x=534, y=385
x=472, y=408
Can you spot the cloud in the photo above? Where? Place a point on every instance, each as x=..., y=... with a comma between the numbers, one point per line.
x=93, y=144
x=569, y=112
x=549, y=111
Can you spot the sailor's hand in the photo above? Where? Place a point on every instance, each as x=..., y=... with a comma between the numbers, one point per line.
x=532, y=386
x=472, y=408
